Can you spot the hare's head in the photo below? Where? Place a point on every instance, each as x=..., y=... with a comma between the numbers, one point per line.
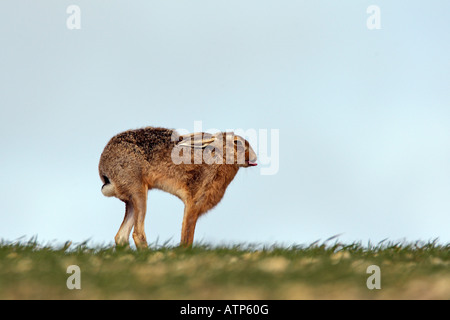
x=222, y=147
x=239, y=150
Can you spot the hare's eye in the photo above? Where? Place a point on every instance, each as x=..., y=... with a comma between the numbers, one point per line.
x=238, y=143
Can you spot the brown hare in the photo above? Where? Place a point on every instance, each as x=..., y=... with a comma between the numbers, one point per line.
x=197, y=168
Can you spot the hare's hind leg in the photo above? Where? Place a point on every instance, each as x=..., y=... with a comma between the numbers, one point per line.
x=123, y=235
x=139, y=202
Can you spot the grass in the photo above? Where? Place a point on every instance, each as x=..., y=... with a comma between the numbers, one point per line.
x=419, y=270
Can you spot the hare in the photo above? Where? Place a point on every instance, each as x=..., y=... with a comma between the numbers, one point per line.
x=197, y=168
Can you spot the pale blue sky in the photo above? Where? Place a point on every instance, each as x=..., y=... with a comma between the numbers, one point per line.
x=363, y=115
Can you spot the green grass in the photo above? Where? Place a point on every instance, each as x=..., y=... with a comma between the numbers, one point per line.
x=29, y=270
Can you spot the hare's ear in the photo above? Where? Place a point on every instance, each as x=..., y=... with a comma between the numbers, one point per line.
x=196, y=140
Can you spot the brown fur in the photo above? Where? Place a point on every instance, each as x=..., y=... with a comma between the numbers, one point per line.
x=136, y=161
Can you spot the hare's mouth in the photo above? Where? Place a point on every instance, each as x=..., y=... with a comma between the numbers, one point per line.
x=251, y=164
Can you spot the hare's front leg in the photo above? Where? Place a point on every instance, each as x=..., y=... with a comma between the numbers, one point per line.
x=188, y=228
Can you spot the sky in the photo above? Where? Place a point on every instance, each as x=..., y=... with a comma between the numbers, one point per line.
x=360, y=116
